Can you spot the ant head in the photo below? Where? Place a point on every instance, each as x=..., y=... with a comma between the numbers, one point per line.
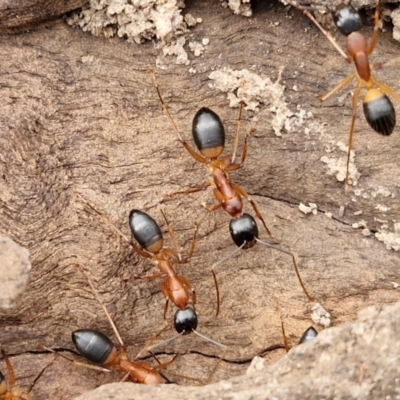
x=244, y=231
x=145, y=231
x=308, y=335
x=208, y=133
x=347, y=20
x=94, y=346
x=185, y=321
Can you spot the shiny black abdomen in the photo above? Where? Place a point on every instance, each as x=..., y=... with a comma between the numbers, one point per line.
x=144, y=229
x=207, y=130
x=380, y=115
x=93, y=345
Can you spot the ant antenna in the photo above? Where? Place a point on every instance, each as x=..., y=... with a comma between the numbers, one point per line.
x=296, y=269
x=95, y=292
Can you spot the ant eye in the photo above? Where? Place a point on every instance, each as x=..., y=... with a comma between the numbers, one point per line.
x=347, y=20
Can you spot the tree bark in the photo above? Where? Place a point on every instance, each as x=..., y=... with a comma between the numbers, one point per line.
x=81, y=113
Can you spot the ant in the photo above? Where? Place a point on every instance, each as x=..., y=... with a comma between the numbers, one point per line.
x=99, y=349
x=378, y=109
x=209, y=137
x=14, y=393
x=147, y=233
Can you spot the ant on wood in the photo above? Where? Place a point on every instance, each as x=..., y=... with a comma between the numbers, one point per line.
x=15, y=393
x=147, y=233
x=209, y=137
x=378, y=109
x=99, y=349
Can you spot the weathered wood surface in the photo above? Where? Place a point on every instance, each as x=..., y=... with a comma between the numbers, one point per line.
x=337, y=365
x=81, y=113
x=19, y=15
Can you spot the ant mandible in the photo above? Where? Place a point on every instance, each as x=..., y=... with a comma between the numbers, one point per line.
x=99, y=349
x=147, y=233
x=15, y=393
x=209, y=137
x=378, y=109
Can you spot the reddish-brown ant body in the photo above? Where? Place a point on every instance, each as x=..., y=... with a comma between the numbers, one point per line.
x=147, y=233
x=378, y=109
x=209, y=137
x=99, y=349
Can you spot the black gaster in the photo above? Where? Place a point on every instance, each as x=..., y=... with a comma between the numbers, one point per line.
x=308, y=335
x=244, y=229
x=207, y=130
x=93, y=345
x=185, y=321
x=144, y=229
x=380, y=115
x=347, y=20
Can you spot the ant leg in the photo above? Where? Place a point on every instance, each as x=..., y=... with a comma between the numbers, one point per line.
x=235, y=166
x=165, y=292
x=244, y=151
x=113, y=227
x=150, y=342
x=214, y=272
x=285, y=341
x=374, y=37
x=219, y=197
x=150, y=277
x=353, y=121
x=196, y=156
x=296, y=269
x=387, y=90
x=193, y=242
x=96, y=294
x=81, y=364
x=10, y=369
x=242, y=192
x=341, y=85
x=216, y=291
x=163, y=365
x=204, y=186
x=236, y=144
x=172, y=236
x=318, y=25
x=40, y=374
